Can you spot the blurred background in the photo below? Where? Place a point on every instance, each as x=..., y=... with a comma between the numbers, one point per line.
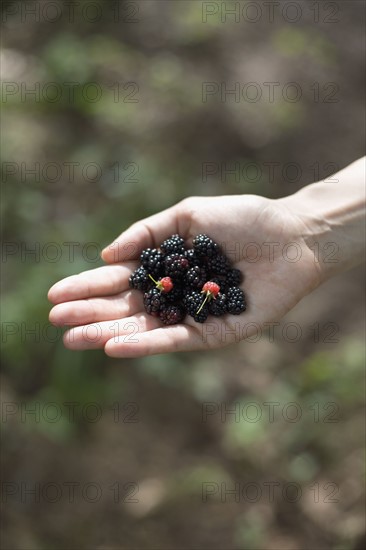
x=113, y=111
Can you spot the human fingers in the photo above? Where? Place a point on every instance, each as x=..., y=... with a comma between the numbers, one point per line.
x=101, y=281
x=181, y=337
x=92, y=310
x=95, y=335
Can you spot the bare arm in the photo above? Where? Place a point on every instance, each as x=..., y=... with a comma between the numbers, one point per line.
x=334, y=214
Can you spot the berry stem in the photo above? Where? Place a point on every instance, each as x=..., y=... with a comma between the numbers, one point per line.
x=204, y=301
x=152, y=278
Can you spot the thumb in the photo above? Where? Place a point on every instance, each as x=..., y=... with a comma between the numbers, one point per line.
x=149, y=232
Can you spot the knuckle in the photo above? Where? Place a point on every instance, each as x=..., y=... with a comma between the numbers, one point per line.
x=189, y=203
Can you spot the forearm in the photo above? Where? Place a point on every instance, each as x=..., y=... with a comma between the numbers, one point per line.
x=333, y=214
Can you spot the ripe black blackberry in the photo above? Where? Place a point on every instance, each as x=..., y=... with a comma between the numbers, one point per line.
x=235, y=301
x=193, y=258
x=199, y=281
x=218, y=265
x=171, y=315
x=204, y=246
x=233, y=277
x=176, y=294
x=154, y=301
x=192, y=302
x=176, y=265
x=173, y=245
x=218, y=306
x=153, y=261
x=140, y=280
x=196, y=277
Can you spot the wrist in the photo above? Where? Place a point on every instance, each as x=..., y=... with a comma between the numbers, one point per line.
x=332, y=217
x=316, y=232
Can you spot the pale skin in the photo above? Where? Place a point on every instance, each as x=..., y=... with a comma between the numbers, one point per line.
x=299, y=242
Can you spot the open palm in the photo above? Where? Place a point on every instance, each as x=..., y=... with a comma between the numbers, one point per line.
x=261, y=236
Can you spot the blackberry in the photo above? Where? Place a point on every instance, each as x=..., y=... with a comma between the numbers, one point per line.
x=233, y=278
x=196, y=277
x=171, y=315
x=218, y=265
x=199, y=281
x=173, y=245
x=204, y=246
x=192, y=303
x=176, y=265
x=140, y=280
x=175, y=295
x=154, y=301
x=193, y=259
x=153, y=261
x=218, y=306
x=235, y=301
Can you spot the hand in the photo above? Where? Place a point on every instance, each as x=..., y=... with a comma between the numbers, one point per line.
x=104, y=312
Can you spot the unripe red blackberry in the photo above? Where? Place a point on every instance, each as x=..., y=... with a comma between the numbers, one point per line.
x=165, y=284
x=211, y=289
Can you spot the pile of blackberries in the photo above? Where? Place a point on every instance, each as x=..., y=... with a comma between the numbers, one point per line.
x=199, y=281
